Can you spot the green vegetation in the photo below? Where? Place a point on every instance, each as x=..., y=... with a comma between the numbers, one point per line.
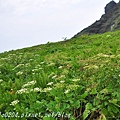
x=77, y=79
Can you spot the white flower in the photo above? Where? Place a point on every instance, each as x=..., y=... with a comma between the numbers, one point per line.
x=40, y=68
x=3, y=58
x=59, y=85
x=53, y=77
x=34, y=70
x=24, y=90
x=51, y=64
x=50, y=83
x=29, y=83
x=12, y=54
x=95, y=67
x=62, y=81
x=106, y=61
x=19, y=73
x=102, y=55
x=27, y=64
x=47, y=89
x=51, y=74
x=37, y=55
x=18, y=66
x=60, y=67
x=66, y=91
x=1, y=80
x=42, y=62
x=75, y=80
x=37, y=66
x=72, y=87
x=105, y=55
x=37, y=89
x=30, y=59
x=118, y=55
x=112, y=56
x=91, y=67
x=14, y=102
x=20, y=53
x=61, y=77
x=119, y=75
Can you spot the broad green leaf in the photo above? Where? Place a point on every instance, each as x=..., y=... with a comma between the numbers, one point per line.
x=114, y=101
x=96, y=102
x=85, y=114
x=113, y=108
x=76, y=104
x=105, y=91
x=88, y=106
x=104, y=111
x=118, y=96
x=84, y=95
x=94, y=91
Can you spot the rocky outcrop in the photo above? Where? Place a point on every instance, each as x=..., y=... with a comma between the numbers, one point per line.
x=108, y=22
x=110, y=7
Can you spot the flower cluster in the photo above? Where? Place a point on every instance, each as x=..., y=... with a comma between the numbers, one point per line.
x=51, y=64
x=24, y=90
x=50, y=83
x=19, y=73
x=102, y=55
x=46, y=89
x=1, y=80
x=29, y=83
x=91, y=67
x=18, y=66
x=75, y=80
x=14, y=102
x=67, y=91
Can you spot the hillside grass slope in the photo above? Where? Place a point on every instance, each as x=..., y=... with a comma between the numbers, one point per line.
x=77, y=79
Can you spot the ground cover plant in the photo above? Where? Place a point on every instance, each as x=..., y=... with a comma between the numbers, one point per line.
x=77, y=79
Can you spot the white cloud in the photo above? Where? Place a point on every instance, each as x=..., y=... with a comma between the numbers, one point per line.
x=21, y=7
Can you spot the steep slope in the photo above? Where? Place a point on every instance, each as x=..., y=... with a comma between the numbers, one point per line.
x=77, y=79
x=110, y=21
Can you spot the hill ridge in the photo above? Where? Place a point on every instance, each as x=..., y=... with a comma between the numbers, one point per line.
x=109, y=21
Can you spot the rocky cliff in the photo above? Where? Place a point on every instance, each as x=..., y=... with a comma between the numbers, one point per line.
x=109, y=21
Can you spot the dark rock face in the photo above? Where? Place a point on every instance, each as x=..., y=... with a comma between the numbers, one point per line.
x=109, y=7
x=108, y=22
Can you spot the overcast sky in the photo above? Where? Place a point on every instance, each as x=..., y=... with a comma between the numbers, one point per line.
x=25, y=23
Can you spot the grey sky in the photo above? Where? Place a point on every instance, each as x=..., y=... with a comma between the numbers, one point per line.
x=25, y=23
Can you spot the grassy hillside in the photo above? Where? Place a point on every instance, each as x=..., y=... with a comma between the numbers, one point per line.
x=77, y=79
